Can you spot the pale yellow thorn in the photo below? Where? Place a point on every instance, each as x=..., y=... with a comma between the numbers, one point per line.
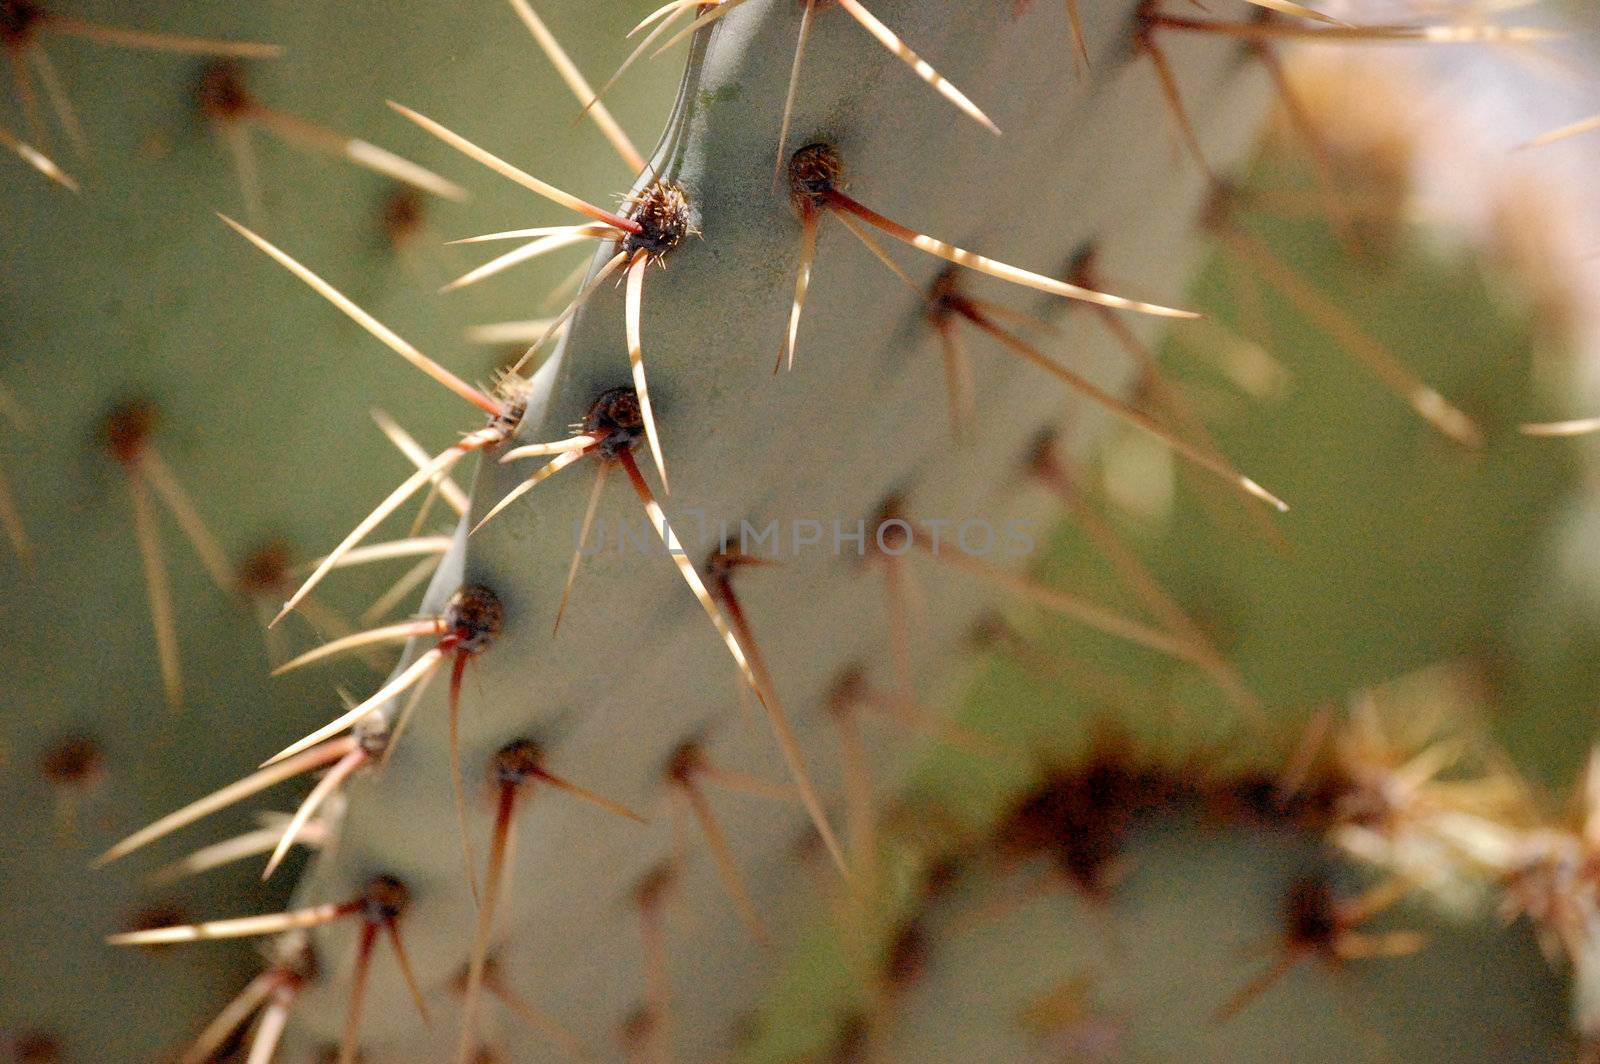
x=220, y=799
x=572, y=308
x=583, y=537
x=509, y=332
x=802, y=284
x=11, y=522
x=233, y=1016
x=379, y=331
x=403, y=718
x=633, y=315
x=962, y=257
x=506, y=170
x=580, y=88
x=856, y=773
x=673, y=7
x=56, y=92
x=29, y=98
x=37, y=159
x=269, y=1031
x=1286, y=7
x=400, y=548
x=178, y=503
x=1133, y=416
x=157, y=590
x=545, y=450
x=545, y=245
x=783, y=732
x=1580, y=427
x=550, y=469
x=313, y=135
x=408, y=581
x=407, y=445
x=255, y=843
x=236, y=138
x=385, y=162
x=1346, y=34
x=748, y=783
x=806, y=18
x=586, y=229
x=1576, y=129
x=863, y=234
x=238, y=927
x=701, y=21
x=326, y=786
x=440, y=464
x=887, y=37
x=394, y=633
x=160, y=42
x=402, y=681
x=669, y=539
x=1434, y=408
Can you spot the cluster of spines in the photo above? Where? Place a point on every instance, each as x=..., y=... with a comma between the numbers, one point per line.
x=655, y=222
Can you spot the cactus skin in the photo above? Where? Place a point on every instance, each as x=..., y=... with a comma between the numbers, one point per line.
x=635, y=669
x=398, y=816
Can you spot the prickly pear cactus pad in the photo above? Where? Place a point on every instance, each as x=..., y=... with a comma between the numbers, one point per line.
x=491, y=592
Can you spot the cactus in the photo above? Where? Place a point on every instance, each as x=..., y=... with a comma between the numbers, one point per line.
x=446, y=875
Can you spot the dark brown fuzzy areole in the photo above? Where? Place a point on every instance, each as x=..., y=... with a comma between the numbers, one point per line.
x=38, y=1047
x=474, y=617
x=814, y=171
x=664, y=216
x=384, y=900
x=221, y=95
x=18, y=22
x=515, y=763
x=1310, y=916
x=265, y=571
x=126, y=429
x=77, y=762
x=616, y=418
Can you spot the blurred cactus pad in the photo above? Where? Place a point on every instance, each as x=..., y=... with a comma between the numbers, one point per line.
x=1029, y=726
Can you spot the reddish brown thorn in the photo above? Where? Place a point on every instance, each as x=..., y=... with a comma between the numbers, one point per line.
x=1137, y=577
x=722, y=567
x=494, y=981
x=681, y=775
x=381, y=906
x=512, y=767
x=1433, y=407
x=816, y=176
x=650, y=898
x=856, y=772
x=1173, y=95
x=473, y=619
